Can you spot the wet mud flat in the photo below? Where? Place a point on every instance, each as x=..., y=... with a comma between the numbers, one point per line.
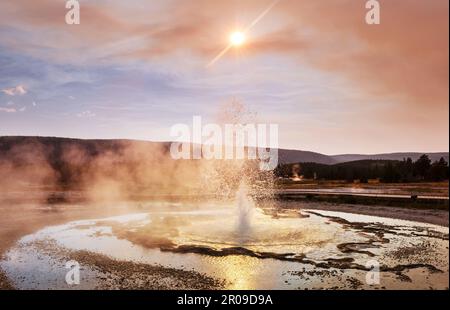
x=204, y=249
x=101, y=272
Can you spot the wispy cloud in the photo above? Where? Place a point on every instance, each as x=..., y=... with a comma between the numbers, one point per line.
x=18, y=90
x=10, y=109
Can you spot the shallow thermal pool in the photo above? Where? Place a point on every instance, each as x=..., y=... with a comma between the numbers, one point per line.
x=212, y=246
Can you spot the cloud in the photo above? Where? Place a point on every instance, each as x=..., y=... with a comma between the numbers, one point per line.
x=9, y=91
x=405, y=57
x=8, y=110
x=18, y=90
x=400, y=67
x=12, y=110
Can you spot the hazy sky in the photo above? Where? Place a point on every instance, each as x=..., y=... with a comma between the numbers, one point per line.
x=134, y=68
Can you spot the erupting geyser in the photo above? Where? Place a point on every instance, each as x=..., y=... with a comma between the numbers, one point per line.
x=245, y=207
x=241, y=179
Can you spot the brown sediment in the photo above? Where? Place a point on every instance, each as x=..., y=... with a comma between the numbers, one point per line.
x=354, y=283
x=129, y=275
x=5, y=284
x=355, y=247
x=402, y=277
x=415, y=252
x=379, y=230
x=315, y=272
x=342, y=263
x=126, y=275
x=197, y=249
x=400, y=268
x=340, y=260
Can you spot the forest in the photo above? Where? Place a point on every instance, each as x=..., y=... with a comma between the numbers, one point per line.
x=387, y=171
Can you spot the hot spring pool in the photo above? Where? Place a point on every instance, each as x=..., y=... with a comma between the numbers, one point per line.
x=216, y=246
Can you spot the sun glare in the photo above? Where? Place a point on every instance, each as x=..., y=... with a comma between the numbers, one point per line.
x=237, y=38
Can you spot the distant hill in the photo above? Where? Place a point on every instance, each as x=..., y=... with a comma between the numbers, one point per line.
x=127, y=167
x=96, y=147
x=389, y=156
x=293, y=156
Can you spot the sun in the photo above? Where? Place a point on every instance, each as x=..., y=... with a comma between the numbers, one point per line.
x=237, y=38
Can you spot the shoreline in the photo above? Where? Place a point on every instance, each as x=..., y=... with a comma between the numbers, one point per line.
x=438, y=217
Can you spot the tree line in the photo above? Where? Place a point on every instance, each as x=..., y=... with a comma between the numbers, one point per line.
x=388, y=171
